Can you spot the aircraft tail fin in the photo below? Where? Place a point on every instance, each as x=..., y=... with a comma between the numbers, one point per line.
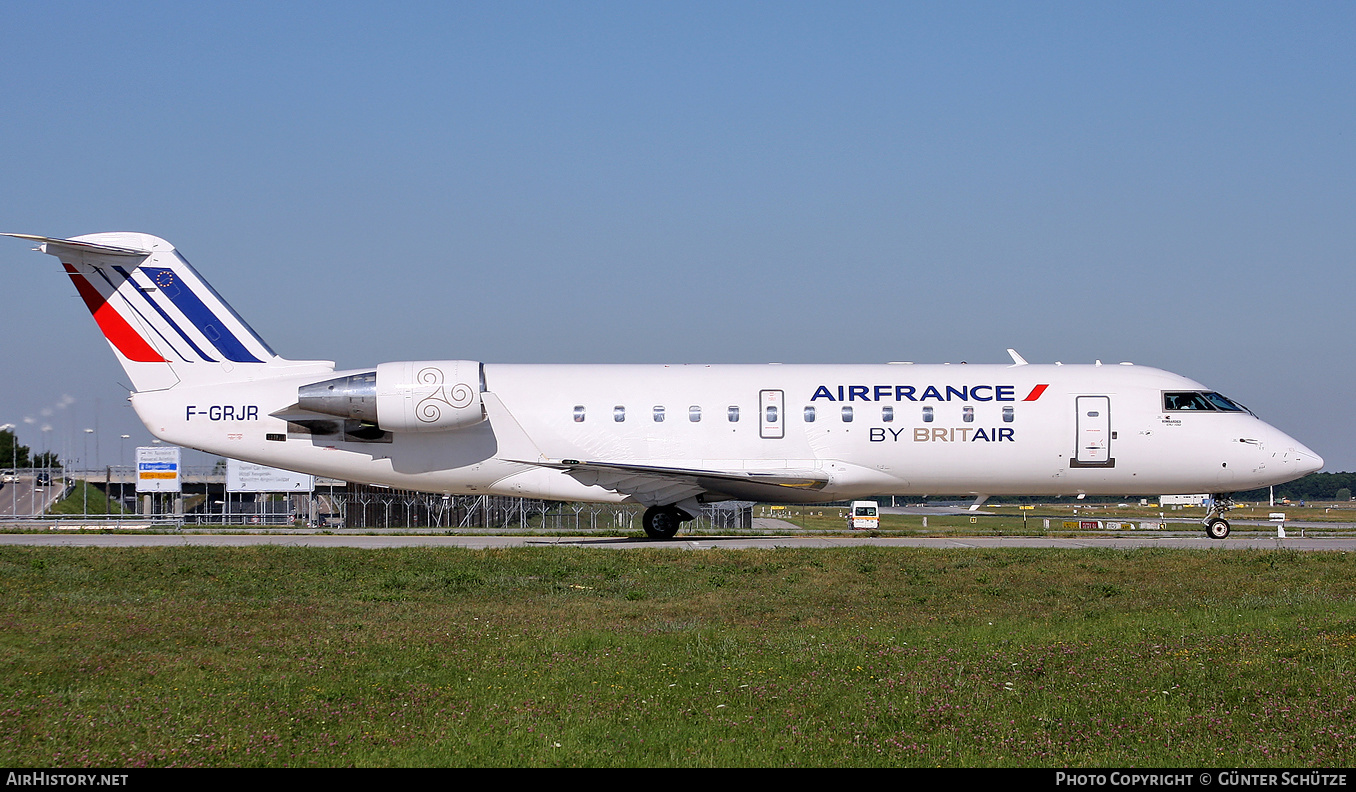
x=165, y=323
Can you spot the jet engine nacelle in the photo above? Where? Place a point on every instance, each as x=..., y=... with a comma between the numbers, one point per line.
x=409, y=396
x=428, y=396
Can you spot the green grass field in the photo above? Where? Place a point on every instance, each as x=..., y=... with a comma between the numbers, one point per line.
x=85, y=498
x=577, y=657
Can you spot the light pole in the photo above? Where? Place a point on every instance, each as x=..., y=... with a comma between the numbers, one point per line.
x=13, y=467
x=84, y=480
x=46, y=454
x=122, y=460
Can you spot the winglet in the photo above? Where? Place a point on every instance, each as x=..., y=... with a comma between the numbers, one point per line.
x=1017, y=360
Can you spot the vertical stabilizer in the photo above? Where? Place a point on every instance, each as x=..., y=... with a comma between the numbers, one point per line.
x=164, y=322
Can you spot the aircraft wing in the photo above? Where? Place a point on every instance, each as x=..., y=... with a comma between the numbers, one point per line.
x=654, y=485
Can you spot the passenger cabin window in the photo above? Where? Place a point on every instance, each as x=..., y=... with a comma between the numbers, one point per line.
x=619, y=413
x=579, y=413
x=694, y=413
x=658, y=414
x=887, y=414
x=732, y=413
x=810, y=414
x=847, y=414
x=927, y=415
x=968, y=415
x=1007, y=415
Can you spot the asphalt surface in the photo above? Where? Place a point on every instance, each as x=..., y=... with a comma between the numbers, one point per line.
x=23, y=497
x=769, y=532
x=374, y=541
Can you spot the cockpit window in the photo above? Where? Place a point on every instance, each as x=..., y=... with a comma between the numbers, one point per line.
x=1199, y=400
x=1186, y=400
x=1222, y=403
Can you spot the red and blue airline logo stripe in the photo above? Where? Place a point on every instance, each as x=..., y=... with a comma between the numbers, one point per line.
x=115, y=328
x=168, y=293
x=169, y=320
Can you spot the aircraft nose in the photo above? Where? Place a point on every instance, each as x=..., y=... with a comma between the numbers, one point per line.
x=1307, y=461
x=1297, y=456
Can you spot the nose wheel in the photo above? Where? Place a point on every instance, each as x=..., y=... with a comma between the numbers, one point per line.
x=1216, y=527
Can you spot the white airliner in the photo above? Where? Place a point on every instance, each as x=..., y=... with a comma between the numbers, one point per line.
x=668, y=437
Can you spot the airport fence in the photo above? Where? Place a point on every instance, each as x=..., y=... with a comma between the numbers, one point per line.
x=67, y=498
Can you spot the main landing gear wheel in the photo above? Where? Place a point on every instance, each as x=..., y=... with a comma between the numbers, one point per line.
x=1217, y=529
x=661, y=522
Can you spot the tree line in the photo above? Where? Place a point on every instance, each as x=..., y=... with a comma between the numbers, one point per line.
x=1315, y=486
x=17, y=455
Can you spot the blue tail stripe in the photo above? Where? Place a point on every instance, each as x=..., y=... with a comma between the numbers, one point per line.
x=127, y=276
x=173, y=287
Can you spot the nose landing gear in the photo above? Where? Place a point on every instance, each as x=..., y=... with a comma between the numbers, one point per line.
x=1216, y=527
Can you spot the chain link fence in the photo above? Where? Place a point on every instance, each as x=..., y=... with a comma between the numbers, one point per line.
x=60, y=497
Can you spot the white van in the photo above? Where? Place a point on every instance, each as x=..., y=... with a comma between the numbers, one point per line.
x=863, y=515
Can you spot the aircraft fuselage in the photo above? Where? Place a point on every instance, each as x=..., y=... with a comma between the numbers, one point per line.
x=868, y=429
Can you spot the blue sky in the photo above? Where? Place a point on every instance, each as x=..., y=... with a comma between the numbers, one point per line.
x=1171, y=184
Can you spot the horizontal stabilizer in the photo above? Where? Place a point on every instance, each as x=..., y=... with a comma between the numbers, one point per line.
x=82, y=247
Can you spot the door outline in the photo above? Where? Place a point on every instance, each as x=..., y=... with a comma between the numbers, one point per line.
x=1092, y=432
x=771, y=414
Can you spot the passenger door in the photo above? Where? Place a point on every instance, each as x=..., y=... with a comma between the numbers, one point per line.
x=1093, y=432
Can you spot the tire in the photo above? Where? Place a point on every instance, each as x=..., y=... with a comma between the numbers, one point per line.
x=661, y=523
x=1217, y=529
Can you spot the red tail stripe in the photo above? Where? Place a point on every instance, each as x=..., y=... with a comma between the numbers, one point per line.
x=115, y=328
